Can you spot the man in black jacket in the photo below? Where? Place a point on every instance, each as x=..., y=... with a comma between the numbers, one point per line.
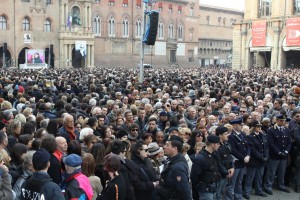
x=40, y=185
x=226, y=160
x=174, y=183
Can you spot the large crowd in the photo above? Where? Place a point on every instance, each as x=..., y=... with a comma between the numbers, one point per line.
x=180, y=134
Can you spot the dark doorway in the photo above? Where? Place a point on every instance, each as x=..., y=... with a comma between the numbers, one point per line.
x=292, y=59
x=47, y=52
x=8, y=60
x=22, y=56
x=78, y=61
x=172, y=56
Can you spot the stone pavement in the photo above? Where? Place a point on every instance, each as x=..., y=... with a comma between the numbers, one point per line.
x=278, y=195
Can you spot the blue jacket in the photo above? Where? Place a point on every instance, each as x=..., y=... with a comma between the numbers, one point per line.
x=48, y=189
x=174, y=183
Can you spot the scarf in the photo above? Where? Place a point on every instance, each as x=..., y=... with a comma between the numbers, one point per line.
x=71, y=131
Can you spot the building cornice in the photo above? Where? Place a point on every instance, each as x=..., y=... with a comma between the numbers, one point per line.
x=220, y=9
x=183, y=2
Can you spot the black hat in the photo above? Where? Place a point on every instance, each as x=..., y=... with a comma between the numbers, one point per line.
x=236, y=121
x=255, y=124
x=281, y=116
x=163, y=113
x=220, y=130
x=213, y=139
x=40, y=156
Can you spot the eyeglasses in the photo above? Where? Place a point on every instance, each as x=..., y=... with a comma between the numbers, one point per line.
x=146, y=150
x=199, y=135
x=134, y=129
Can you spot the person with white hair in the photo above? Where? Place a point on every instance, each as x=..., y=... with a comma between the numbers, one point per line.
x=68, y=130
x=85, y=132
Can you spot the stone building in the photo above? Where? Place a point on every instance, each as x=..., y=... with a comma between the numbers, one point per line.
x=269, y=35
x=215, y=34
x=118, y=28
x=109, y=31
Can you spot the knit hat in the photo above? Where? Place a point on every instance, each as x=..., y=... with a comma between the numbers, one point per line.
x=40, y=156
x=213, y=139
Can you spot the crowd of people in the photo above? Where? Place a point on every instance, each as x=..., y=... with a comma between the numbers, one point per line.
x=181, y=134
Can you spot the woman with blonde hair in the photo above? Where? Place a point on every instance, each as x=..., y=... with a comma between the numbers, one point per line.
x=185, y=133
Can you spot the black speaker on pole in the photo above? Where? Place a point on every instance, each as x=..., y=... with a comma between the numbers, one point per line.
x=151, y=31
x=5, y=48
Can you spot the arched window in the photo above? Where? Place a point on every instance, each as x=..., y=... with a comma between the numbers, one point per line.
x=26, y=24
x=138, y=28
x=3, y=23
x=97, y=26
x=47, y=25
x=161, y=31
x=111, y=27
x=171, y=29
x=76, y=16
x=125, y=28
x=180, y=32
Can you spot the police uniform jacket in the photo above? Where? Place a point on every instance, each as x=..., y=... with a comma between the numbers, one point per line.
x=174, y=183
x=225, y=157
x=240, y=148
x=259, y=149
x=279, y=141
x=205, y=169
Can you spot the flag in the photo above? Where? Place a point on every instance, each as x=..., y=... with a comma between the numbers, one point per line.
x=69, y=21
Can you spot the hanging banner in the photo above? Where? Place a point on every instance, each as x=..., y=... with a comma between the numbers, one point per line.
x=259, y=31
x=293, y=32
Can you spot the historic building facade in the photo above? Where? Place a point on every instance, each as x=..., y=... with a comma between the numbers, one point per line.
x=215, y=34
x=118, y=26
x=269, y=35
x=110, y=31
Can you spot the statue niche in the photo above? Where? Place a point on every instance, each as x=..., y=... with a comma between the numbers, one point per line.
x=76, y=16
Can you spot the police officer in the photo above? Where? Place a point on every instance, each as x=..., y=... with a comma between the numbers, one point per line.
x=205, y=171
x=296, y=149
x=259, y=157
x=174, y=183
x=241, y=152
x=226, y=160
x=279, y=140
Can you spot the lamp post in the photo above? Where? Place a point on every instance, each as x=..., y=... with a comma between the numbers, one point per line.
x=141, y=73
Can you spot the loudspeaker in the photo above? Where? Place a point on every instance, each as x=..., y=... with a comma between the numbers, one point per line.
x=5, y=47
x=51, y=49
x=151, y=31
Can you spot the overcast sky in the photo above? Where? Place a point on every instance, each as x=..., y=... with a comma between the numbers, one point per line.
x=235, y=4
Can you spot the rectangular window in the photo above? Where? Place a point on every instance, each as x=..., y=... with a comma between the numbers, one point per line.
x=265, y=8
x=296, y=6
